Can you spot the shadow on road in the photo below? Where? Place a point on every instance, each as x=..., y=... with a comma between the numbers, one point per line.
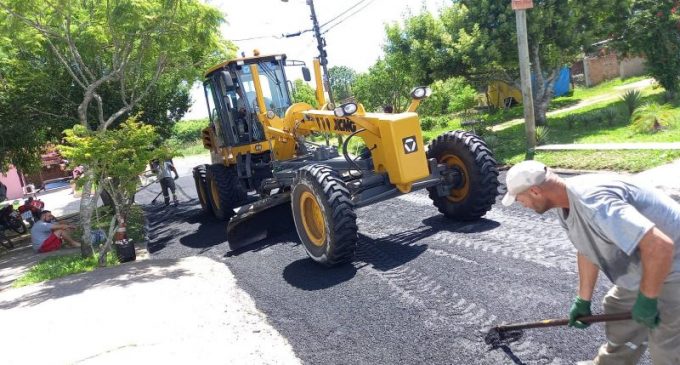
x=441, y=223
x=306, y=274
x=169, y=223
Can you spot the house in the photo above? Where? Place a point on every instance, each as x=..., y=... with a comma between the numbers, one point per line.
x=605, y=64
x=14, y=180
x=52, y=174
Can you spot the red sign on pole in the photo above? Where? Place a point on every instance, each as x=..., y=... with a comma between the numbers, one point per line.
x=522, y=4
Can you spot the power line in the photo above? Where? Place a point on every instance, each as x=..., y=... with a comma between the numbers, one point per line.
x=349, y=16
x=253, y=38
x=290, y=35
x=344, y=12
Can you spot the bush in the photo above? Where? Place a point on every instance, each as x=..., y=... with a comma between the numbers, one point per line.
x=632, y=99
x=652, y=118
x=542, y=134
x=189, y=130
x=491, y=141
x=611, y=115
x=428, y=123
x=449, y=96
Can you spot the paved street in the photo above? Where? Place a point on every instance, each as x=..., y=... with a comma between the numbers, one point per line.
x=422, y=289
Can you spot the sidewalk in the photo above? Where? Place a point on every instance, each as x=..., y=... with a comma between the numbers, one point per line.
x=186, y=311
x=610, y=146
x=665, y=177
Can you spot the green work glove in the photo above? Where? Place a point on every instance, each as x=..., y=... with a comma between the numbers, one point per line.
x=579, y=308
x=646, y=312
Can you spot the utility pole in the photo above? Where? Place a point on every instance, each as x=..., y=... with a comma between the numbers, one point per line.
x=321, y=46
x=520, y=7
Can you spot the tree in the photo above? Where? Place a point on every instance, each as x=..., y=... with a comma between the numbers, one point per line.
x=115, y=158
x=424, y=48
x=479, y=39
x=449, y=96
x=652, y=28
x=117, y=52
x=341, y=79
x=383, y=85
x=35, y=98
x=303, y=93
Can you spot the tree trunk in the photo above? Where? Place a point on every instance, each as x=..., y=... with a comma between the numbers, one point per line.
x=106, y=247
x=86, y=209
x=543, y=88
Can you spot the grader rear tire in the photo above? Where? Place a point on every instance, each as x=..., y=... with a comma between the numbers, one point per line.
x=225, y=191
x=201, y=183
x=469, y=154
x=324, y=215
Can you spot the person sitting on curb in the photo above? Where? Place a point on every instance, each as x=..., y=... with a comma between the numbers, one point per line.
x=629, y=232
x=48, y=236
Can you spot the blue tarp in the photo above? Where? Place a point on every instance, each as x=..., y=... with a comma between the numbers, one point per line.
x=562, y=84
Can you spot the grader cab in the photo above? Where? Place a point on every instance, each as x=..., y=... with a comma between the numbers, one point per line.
x=263, y=156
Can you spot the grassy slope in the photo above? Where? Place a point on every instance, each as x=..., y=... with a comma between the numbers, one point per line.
x=510, y=147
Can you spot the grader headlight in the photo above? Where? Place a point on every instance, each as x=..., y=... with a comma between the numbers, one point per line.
x=421, y=92
x=345, y=110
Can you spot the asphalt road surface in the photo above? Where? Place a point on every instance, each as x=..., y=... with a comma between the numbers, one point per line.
x=422, y=290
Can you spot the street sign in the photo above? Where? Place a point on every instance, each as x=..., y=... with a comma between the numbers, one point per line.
x=522, y=4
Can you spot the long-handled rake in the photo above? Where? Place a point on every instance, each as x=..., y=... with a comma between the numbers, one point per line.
x=503, y=335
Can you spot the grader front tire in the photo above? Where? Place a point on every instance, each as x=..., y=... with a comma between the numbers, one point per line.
x=468, y=154
x=324, y=215
x=225, y=191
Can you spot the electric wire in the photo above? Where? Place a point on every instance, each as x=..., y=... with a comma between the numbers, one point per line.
x=299, y=33
x=347, y=17
x=343, y=13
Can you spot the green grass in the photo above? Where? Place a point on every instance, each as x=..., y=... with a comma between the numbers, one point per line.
x=60, y=266
x=511, y=148
x=606, y=87
x=579, y=94
x=190, y=148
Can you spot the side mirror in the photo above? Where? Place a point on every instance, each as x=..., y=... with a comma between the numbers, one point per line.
x=227, y=83
x=305, y=74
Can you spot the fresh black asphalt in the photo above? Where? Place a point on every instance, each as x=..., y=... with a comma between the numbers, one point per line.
x=422, y=290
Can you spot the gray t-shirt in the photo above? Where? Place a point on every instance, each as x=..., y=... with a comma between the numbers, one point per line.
x=608, y=216
x=39, y=233
x=165, y=170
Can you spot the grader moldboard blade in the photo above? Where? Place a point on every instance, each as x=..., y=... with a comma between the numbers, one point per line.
x=258, y=220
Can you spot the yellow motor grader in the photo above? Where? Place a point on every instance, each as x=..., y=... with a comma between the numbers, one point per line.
x=263, y=156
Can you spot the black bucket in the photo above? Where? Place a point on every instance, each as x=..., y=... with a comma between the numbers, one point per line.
x=125, y=250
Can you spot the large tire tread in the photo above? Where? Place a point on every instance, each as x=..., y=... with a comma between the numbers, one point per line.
x=340, y=211
x=484, y=179
x=231, y=192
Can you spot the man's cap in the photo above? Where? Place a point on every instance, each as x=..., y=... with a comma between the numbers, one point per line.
x=44, y=211
x=521, y=177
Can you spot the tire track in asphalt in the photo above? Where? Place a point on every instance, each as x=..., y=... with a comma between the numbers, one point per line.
x=540, y=241
x=443, y=308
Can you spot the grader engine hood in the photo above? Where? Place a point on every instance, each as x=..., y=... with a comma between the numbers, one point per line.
x=403, y=150
x=395, y=141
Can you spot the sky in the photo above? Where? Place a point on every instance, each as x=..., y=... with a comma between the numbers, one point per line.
x=356, y=42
